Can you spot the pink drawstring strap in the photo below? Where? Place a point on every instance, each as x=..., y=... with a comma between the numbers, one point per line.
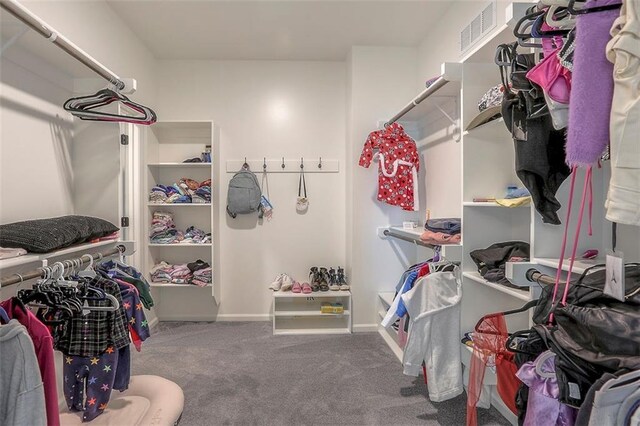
x=564, y=241
x=587, y=186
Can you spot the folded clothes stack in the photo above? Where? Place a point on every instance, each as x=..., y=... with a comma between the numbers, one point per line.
x=201, y=273
x=442, y=231
x=184, y=191
x=163, y=231
x=195, y=235
x=197, y=273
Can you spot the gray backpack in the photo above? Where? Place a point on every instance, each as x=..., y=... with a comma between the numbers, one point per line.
x=243, y=196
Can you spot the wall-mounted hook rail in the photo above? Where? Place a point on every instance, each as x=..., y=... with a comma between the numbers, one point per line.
x=284, y=165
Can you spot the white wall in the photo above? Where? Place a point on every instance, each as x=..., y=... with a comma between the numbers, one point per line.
x=443, y=45
x=37, y=148
x=50, y=163
x=381, y=80
x=268, y=109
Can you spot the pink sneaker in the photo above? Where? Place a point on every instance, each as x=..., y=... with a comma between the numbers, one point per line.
x=297, y=288
x=306, y=288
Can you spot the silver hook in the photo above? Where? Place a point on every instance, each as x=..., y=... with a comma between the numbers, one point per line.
x=264, y=163
x=320, y=163
x=302, y=162
x=283, y=166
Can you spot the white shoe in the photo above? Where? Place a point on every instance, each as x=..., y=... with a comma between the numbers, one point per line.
x=287, y=283
x=276, y=285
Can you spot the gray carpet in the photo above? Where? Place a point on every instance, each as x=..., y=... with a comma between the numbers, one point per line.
x=238, y=373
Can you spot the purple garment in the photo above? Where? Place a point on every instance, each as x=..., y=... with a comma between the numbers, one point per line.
x=543, y=407
x=591, y=87
x=88, y=382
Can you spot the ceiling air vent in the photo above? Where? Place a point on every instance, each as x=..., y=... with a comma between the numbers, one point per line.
x=479, y=26
x=488, y=18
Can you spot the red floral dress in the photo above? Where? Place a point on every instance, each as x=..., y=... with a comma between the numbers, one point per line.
x=398, y=168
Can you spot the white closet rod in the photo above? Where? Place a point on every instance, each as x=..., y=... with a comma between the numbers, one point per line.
x=433, y=88
x=26, y=16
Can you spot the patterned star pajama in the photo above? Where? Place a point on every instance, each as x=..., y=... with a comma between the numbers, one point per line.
x=92, y=377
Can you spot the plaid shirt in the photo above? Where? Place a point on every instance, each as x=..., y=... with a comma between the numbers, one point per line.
x=90, y=335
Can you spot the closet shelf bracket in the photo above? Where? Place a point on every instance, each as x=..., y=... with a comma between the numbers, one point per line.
x=454, y=122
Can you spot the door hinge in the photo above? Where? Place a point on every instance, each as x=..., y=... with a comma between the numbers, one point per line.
x=124, y=221
x=124, y=139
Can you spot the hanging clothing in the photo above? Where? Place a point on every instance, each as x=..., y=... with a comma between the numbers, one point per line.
x=543, y=407
x=22, y=393
x=90, y=335
x=434, y=310
x=489, y=341
x=616, y=400
x=43, y=346
x=398, y=168
x=623, y=198
x=88, y=382
x=591, y=87
x=112, y=269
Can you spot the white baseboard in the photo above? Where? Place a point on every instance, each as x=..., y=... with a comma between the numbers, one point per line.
x=244, y=317
x=153, y=323
x=364, y=328
x=219, y=318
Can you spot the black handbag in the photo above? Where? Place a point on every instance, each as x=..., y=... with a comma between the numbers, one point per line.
x=594, y=333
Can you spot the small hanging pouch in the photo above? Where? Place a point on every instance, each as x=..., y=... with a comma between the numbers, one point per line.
x=303, y=202
x=266, y=208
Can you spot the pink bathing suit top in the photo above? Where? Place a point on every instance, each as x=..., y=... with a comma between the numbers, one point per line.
x=549, y=73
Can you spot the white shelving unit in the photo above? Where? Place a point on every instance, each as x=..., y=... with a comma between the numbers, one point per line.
x=168, y=144
x=389, y=334
x=298, y=313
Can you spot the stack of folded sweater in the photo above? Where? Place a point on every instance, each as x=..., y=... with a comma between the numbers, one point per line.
x=163, y=231
x=442, y=231
x=201, y=273
x=195, y=235
x=184, y=191
x=197, y=273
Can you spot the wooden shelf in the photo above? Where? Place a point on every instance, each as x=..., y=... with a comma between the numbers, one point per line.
x=491, y=128
x=152, y=284
x=317, y=294
x=579, y=266
x=491, y=204
x=303, y=331
x=387, y=297
x=188, y=165
x=179, y=245
x=179, y=204
x=415, y=234
x=424, y=103
x=289, y=314
x=85, y=248
x=518, y=294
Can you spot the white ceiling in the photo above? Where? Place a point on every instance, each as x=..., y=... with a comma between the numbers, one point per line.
x=275, y=30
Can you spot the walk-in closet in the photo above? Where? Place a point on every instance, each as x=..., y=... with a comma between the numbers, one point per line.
x=295, y=212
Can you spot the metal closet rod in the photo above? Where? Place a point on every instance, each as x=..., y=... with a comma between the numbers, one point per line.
x=536, y=276
x=80, y=261
x=26, y=16
x=435, y=86
x=389, y=233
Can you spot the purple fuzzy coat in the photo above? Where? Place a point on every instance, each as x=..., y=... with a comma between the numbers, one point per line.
x=591, y=87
